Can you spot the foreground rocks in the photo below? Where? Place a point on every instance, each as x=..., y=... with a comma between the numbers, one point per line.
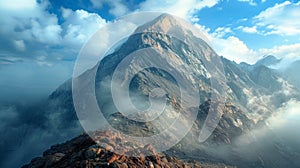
x=82, y=151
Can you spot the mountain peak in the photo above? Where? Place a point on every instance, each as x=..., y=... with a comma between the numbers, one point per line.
x=165, y=17
x=268, y=60
x=163, y=23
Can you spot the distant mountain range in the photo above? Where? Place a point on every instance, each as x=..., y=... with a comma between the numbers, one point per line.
x=252, y=92
x=288, y=71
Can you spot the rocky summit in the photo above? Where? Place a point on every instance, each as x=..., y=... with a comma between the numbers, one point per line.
x=82, y=151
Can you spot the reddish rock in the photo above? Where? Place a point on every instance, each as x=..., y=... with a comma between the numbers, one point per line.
x=83, y=152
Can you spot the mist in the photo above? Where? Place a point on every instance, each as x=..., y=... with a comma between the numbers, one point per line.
x=289, y=68
x=29, y=81
x=275, y=144
x=28, y=130
x=284, y=63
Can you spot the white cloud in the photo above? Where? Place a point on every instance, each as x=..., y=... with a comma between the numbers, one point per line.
x=181, y=8
x=97, y=3
x=291, y=51
x=117, y=8
x=32, y=23
x=287, y=115
x=20, y=45
x=17, y=4
x=248, y=29
x=251, y=2
x=230, y=47
x=47, y=34
x=80, y=25
x=280, y=19
x=7, y=60
x=34, y=31
x=222, y=31
x=234, y=49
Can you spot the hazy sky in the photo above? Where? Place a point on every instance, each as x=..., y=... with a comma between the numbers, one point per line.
x=40, y=40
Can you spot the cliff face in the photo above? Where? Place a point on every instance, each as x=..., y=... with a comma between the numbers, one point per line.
x=82, y=151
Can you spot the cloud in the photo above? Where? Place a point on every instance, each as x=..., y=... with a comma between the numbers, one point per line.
x=16, y=4
x=181, y=8
x=184, y=9
x=287, y=53
x=34, y=31
x=273, y=145
x=32, y=23
x=283, y=123
x=283, y=51
x=286, y=117
x=79, y=25
x=251, y=2
x=27, y=80
x=280, y=19
x=25, y=32
x=117, y=8
x=234, y=49
x=6, y=60
x=38, y=50
x=248, y=29
x=28, y=130
x=20, y=45
x=222, y=31
x=228, y=46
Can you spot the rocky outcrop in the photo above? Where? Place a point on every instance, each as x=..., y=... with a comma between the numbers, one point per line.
x=82, y=151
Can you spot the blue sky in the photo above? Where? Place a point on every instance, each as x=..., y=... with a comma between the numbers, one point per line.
x=40, y=40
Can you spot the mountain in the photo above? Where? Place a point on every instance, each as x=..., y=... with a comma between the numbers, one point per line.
x=271, y=72
x=250, y=95
x=268, y=61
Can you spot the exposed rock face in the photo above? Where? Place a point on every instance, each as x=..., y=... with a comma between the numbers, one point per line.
x=82, y=151
x=233, y=123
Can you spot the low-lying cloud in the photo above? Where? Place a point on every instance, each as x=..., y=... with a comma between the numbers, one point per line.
x=28, y=130
x=274, y=145
x=29, y=81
